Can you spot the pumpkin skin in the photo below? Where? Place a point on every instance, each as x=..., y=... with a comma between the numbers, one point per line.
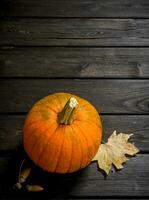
x=58, y=147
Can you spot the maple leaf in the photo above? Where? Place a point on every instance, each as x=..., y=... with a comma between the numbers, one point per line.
x=115, y=151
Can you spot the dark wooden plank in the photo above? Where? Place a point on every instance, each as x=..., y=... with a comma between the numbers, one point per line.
x=74, y=32
x=62, y=198
x=77, y=8
x=74, y=62
x=11, y=129
x=131, y=181
x=11, y=132
x=108, y=96
x=46, y=197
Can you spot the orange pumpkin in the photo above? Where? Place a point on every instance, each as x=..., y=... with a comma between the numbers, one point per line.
x=62, y=133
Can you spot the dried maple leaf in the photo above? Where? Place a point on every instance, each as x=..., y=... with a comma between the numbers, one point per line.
x=114, y=151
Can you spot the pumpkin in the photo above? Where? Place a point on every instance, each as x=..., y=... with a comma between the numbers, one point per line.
x=62, y=133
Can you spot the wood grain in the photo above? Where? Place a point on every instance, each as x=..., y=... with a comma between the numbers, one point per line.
x=11, y=129
x=108, y=96
x=74, y=62
x=75, y=46
x=131, y=181
x=74, y=32
x=47, y=197
x=77, y=8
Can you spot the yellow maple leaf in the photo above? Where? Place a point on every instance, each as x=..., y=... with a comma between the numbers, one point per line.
x=115, y=151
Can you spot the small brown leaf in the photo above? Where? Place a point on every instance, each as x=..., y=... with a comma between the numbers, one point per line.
x=114, y=151
x=24, y=174
x=34, y=188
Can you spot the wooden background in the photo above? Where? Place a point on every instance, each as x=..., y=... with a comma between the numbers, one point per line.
x=94, y=48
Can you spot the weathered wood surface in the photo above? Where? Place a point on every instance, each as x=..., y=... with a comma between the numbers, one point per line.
x=48, y=197
x=11, y=130
x=74, y=62
x=74, y=32
x=77, y=8
x=131, y=181
x=75, y=46
x=108, y=96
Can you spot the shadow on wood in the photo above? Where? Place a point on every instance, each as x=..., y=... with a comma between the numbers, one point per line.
x=55, y=185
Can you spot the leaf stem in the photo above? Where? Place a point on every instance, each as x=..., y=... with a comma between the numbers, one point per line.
x=20, y=169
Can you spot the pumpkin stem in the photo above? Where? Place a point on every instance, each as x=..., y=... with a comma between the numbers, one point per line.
x=66, y=116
